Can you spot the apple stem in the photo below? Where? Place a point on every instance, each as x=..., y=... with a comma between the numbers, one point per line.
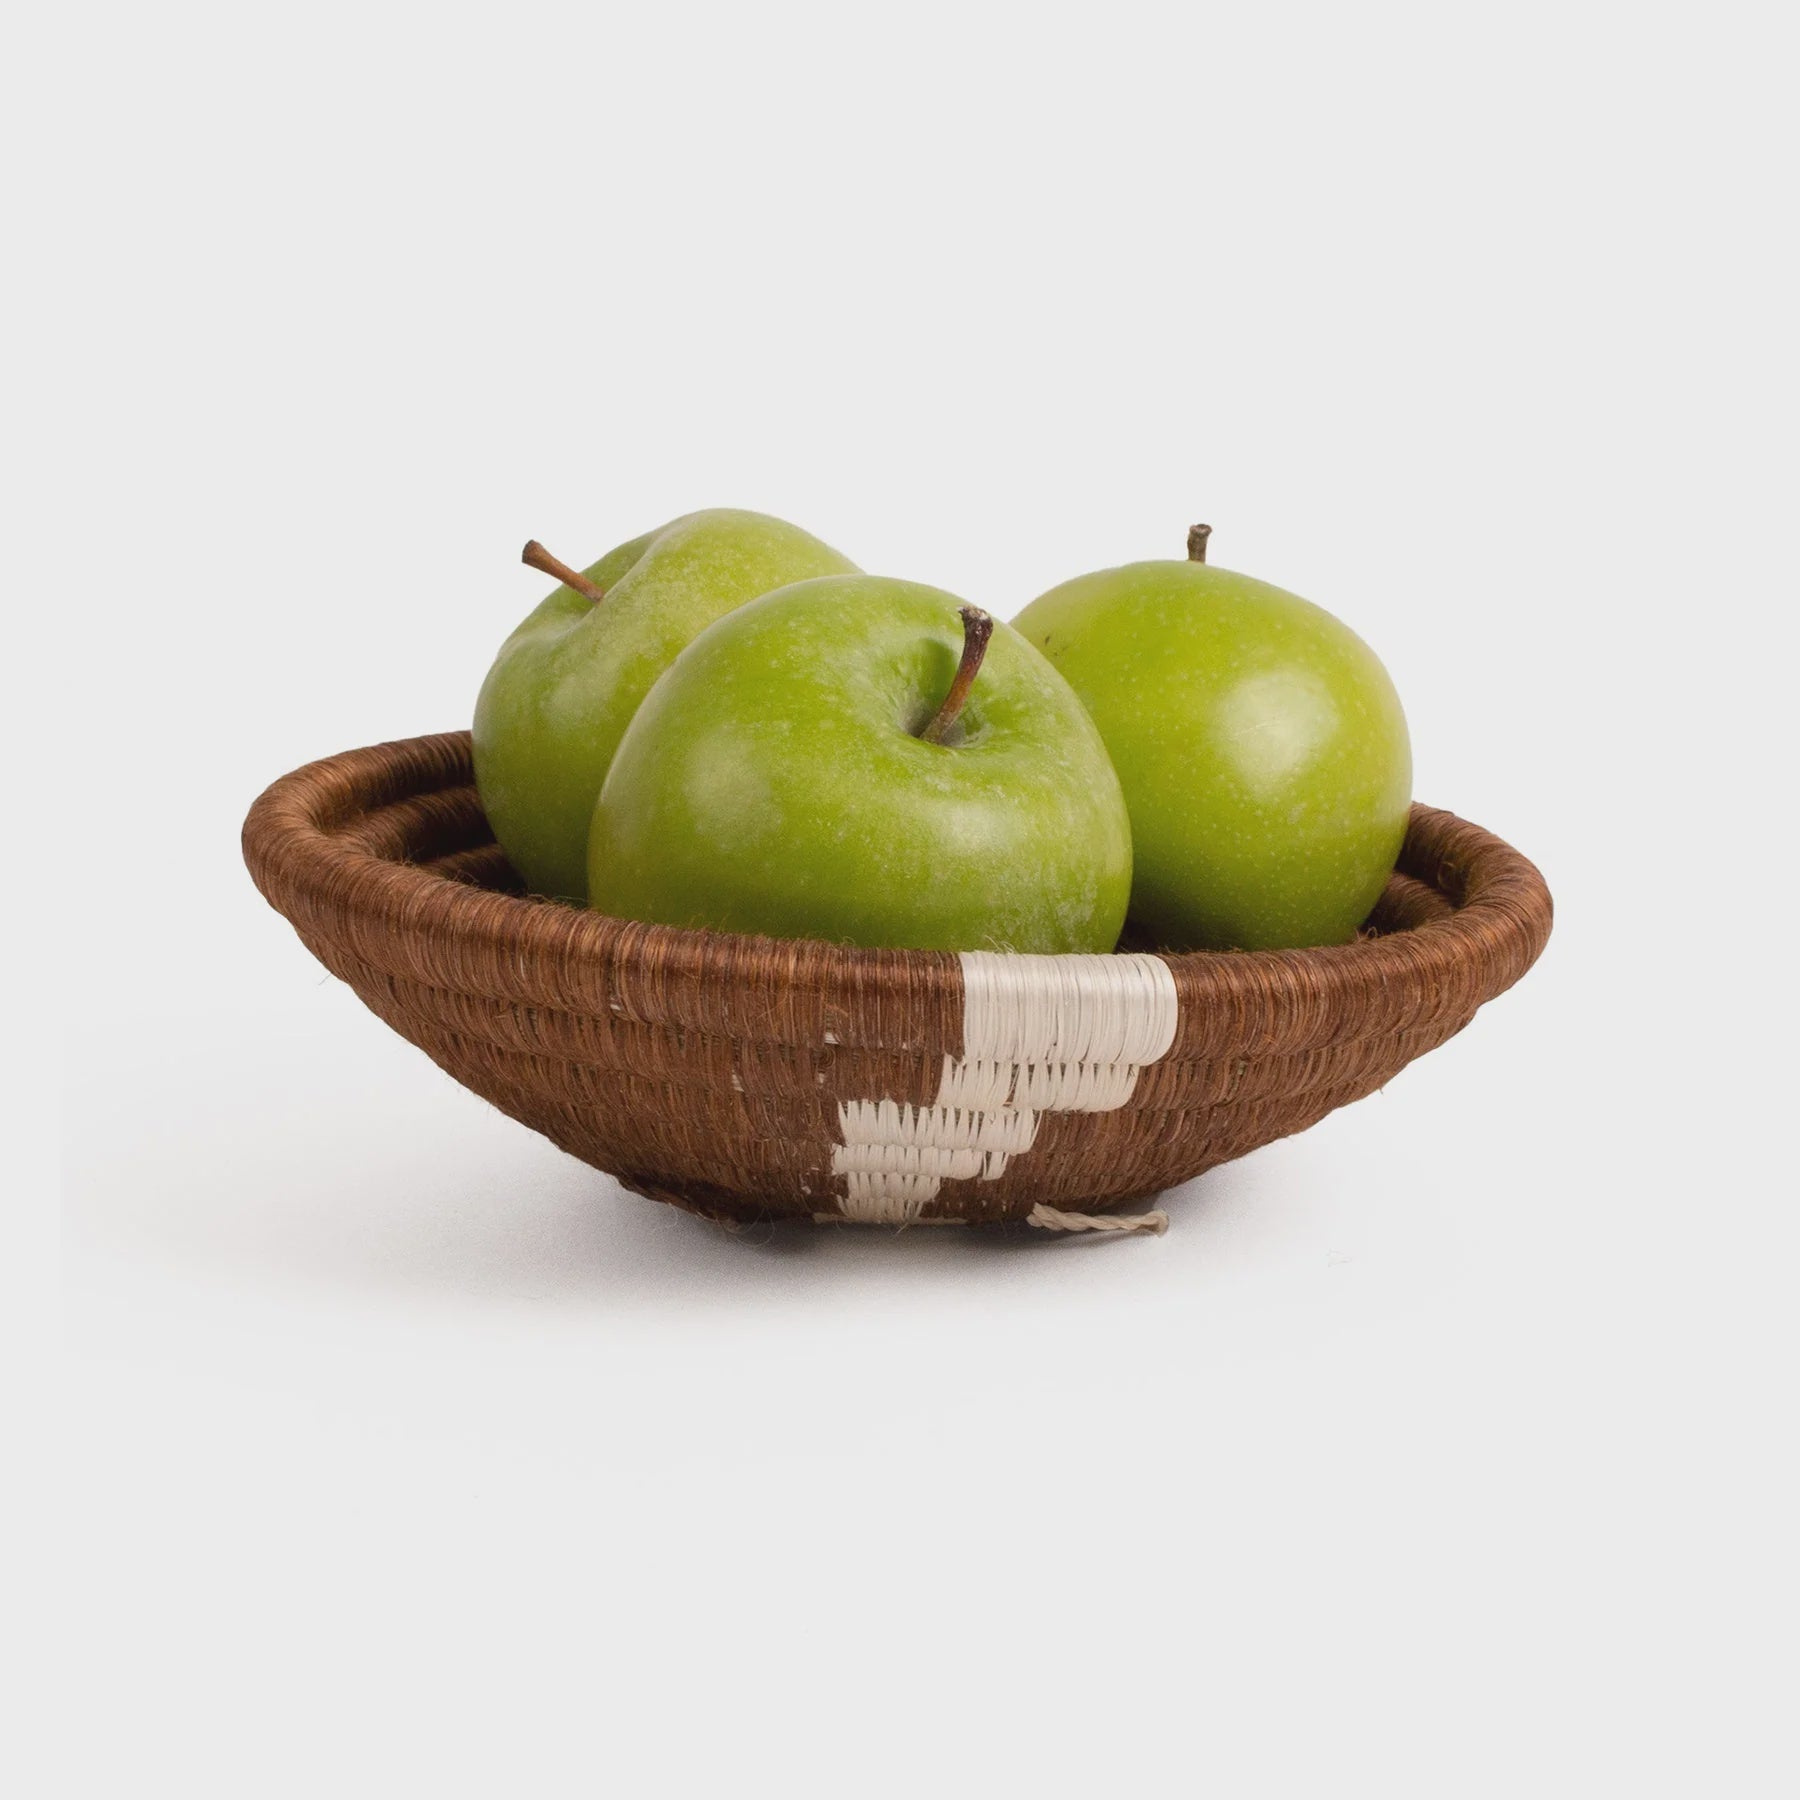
x=535, y=556
x=1197, y=536
x=978, y=627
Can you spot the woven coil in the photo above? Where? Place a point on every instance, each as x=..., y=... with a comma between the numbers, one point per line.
x=746, y=1078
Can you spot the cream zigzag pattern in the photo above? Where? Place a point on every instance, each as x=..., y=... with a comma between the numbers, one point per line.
x=1040, y=1034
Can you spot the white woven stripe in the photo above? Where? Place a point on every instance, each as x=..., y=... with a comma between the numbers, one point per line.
x=1063, y=1009
x=889, y=1122
x=1040, y=1034
x=1041, y=1087
x=917, y=1159
x=881, y=1199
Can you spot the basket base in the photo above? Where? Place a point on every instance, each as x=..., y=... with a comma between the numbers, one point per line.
x=722, y=1207
x=1044, y=1218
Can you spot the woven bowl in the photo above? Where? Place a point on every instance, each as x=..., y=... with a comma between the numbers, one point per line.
x=745, y=1078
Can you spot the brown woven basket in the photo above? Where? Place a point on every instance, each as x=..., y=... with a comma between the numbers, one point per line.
x=746, y=1078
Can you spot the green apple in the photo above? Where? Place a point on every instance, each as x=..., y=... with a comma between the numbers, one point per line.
x=566, y=683
x=865, y=761
x=1259, y=741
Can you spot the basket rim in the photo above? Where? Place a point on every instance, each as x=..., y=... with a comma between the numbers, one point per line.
x=385, y=912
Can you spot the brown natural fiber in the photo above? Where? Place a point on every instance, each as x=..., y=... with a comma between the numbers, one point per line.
x=707, y=1070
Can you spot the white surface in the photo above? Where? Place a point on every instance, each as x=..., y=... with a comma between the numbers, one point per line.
x=1443, y=1450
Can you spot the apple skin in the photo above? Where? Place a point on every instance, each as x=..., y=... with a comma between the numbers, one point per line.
x=565, y=684
x=1260, y=744
x=773, y=783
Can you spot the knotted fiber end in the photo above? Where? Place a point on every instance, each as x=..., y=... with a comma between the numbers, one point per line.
x=1047, y=1218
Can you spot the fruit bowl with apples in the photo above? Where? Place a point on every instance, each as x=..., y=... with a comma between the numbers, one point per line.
x=786, y=891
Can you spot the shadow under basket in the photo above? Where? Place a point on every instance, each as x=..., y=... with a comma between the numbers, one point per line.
x=748, y=1078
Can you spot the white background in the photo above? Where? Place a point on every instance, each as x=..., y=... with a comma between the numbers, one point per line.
x=1442, y=1450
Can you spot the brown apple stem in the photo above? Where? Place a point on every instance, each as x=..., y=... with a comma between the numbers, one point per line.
x=978, y=627
x=1197, y=536
x=535, y=556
